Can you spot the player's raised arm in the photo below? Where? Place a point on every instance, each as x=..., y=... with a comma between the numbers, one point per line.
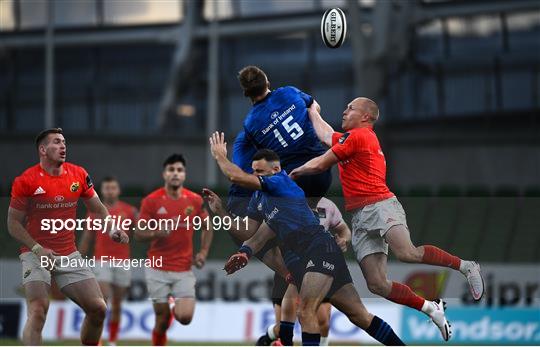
x=323, y=130
x=96, y=207
x=241, y=231
x=316, y=165
x=236, y=175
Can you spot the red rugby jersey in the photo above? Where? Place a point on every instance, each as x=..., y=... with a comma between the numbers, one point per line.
x=177, y=248
x=41, y=196
x=362, y=167
x=104, y=245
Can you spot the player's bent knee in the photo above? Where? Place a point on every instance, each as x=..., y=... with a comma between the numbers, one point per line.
x=37, y=311
x=377, y=286
x=184, y=320
x=98, y=310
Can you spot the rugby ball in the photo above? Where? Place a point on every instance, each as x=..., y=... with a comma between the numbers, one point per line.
x=333, y=27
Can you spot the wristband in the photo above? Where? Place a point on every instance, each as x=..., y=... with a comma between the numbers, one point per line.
x=247, y=250
x=36, y=248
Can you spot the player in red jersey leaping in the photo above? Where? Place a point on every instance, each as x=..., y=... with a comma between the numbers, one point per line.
x=174, y=246
x=378, y=219
x=113, y=280
x=51, y=190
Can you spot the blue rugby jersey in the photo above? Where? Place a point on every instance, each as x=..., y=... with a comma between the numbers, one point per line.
x=280, y=122
x=282, y=205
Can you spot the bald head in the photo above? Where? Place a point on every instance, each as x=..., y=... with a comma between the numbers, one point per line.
x=360, y=112
x=368, y=106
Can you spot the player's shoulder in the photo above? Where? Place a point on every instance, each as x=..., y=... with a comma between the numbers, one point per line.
x=191, y=195
x=127, y=208
x=365, y=131
x=74, y=168
x=124, y=205
x=281, y=176
x=158, y=193
x=29, y=173
x=240, y=138
x=26, y=179
x=277, y=182
x=287, y=89
x=359, y=133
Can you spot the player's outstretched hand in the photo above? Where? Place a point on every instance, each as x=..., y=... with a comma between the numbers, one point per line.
x=236, y=262
x=214, y=201
x=294, y=174
x=218, y=146
x=120, y=236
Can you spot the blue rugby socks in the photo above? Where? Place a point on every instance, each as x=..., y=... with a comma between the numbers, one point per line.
x=383, y=333
x=286, y=331
x=309, y=339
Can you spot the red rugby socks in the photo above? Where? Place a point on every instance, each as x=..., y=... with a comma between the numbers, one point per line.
x=436, y=256
x=401, y=294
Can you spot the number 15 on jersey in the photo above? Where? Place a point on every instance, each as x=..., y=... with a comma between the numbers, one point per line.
x=294, y=130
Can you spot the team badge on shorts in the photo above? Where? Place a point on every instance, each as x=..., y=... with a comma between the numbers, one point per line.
x=74, y=187
x=27, y=273
x=189, y=210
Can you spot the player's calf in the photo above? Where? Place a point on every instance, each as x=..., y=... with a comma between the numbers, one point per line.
x=323, y=316
x=346, y=300
x=380, y=287
x=183, y=318
x=92, y=327
x=307, y=315
x=409, y=254
x=163, y=316
x=37, y=313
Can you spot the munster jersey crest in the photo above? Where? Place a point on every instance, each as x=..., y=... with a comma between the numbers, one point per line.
x=189, y=210
x=74, y=187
